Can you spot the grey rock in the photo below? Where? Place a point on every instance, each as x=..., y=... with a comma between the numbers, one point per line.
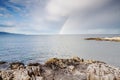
x=62, y=69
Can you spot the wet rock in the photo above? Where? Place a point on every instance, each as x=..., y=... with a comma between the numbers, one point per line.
x=16, y=65
x=2, y=62
x=4, y=65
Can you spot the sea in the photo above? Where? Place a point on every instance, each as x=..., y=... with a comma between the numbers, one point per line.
x=40, y=48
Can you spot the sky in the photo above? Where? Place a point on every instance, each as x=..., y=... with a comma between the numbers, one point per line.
x=60, y=16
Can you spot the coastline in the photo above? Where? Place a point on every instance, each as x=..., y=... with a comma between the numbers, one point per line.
x=115, y=39
x=60, y=69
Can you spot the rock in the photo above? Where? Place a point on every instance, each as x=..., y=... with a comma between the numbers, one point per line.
x=90, y=61
x=71, y=68
x=21, y=75
x=34, y=64
x=34, y=70
x=1, y=78
x=76, y=59
x=99, y=71
x=116, y=39
x=6, y=75
x=16, y=65
x=55, y=63
x=66, y=75
x=62, y=63
x=4, y=65
x=48, y=73
x=2, y=62
x=39, y=78
x=98, y=39
x=61, y=69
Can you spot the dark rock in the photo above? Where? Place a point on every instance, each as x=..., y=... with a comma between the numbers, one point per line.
x=98, y=39
x=34, y=64
x=2, y=62
x=16, y=65
x=4, y=65
x=1, y=78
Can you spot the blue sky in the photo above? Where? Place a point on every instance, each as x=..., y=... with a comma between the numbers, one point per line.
x=60, y=16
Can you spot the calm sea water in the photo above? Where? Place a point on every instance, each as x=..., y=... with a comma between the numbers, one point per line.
x=41, y=48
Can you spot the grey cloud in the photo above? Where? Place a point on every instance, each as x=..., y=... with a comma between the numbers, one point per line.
x=4, y=26
x=66, y=16
x=103, y=19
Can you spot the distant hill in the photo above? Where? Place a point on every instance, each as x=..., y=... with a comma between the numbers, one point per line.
x=7, y=33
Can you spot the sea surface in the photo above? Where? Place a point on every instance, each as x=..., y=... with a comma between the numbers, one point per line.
x=40, y=48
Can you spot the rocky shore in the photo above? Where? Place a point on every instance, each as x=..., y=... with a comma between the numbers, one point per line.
x=59, y=69
x=116, y=39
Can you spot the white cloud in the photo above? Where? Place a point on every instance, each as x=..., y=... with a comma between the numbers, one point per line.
x=59, y=8
x=5, y=13
x=47, y=16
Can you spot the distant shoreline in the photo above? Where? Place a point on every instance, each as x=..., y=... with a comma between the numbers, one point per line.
x=115, y=39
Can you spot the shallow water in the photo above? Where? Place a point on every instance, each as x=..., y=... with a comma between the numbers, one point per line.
x=41, y=48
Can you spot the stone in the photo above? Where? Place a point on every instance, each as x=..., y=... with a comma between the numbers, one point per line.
x=39, y=78
x=100, y=71
x=34, y=64
x=62, y=69
x=2, y=62
x=21, y=75
x=71, y=68
x=6, y=75
x=16, y=65
x=4, y=65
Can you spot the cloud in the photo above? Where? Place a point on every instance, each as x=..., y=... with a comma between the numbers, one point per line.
x=61, y=16
x=101, y=19
x=1, y=15
x=2, y=25
x=61, y=8
x=4, y=12
x=7, y=24
x=83, y=16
